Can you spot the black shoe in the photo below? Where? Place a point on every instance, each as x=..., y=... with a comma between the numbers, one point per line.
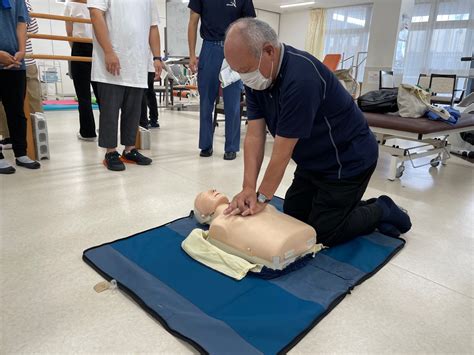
x=6, y=143
x=206, y=153
x=230, y=155
x=112, y=162
x=135, y=157
x=8, y=170
x=33, y=165
x=154, y=125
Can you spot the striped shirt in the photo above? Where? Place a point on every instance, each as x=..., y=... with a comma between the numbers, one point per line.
x=32, y=28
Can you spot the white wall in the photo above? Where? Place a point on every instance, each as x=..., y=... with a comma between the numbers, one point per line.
x=58, y=28
x=386, y=22
x=293, y=28
x=272, y=18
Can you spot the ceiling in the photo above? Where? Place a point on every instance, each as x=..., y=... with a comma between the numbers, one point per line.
x=274, y=5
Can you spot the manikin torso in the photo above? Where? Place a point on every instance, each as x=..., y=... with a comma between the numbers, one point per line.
x=271, y=238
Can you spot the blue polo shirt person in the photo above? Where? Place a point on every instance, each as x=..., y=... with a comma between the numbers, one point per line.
x=316, y=123
x=215, y=16
x=13, y=21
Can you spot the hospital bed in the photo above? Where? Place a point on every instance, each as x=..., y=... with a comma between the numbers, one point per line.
x=432, y=137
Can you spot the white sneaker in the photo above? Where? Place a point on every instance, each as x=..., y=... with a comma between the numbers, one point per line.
x=92, y=139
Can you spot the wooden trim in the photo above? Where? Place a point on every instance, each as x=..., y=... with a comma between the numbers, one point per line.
x=59, y=57
x=59, y=18
x=59, y=38
x=30, y=141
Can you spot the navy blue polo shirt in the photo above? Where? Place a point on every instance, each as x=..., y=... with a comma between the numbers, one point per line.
x=217, y=15
x=307, y=102
x=9, y=19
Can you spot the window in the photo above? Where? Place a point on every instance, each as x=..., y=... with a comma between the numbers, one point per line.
x=347, y=33
x=442, y=31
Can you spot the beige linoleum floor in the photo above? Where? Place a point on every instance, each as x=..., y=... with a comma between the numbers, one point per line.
x=421, y=302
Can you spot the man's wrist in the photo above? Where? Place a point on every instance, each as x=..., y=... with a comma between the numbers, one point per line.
x=158, y=58
x=249, y=187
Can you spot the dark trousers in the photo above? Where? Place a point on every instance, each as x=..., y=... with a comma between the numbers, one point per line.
x=115, y=99
x=12, y=95
x=81, y=77
x=149, y=99
x=333, y=207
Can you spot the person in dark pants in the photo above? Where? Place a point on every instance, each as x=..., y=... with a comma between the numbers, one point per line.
x=149, y=101
x=316, y=123
x=81, y=71
x=13, y=19
x=215, y=16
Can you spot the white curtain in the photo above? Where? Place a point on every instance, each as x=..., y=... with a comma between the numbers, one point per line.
x=347, y=33
x=315, y=36
x=441, y=32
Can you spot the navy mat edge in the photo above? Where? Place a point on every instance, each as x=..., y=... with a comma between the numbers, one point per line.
x=197, y=346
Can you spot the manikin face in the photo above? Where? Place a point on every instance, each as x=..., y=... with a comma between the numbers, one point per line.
x=206, y=203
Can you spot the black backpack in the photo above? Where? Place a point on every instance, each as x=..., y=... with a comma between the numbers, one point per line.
x=379, y=101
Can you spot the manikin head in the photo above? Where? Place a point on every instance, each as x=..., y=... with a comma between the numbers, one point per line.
x=206, y=203
x=252, y=50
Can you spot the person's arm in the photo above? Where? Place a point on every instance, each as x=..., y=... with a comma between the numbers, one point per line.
x=254, y=149
x=281, y=156
x=155, y=46
x=6, y=59
x=101, y=31
x=155, y=40
x=69, y=25
x=192, y=38
x=21, y=37
x=69, y=30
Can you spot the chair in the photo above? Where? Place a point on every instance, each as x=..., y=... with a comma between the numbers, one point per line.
x=443, y=88
x=219, y=107
x=332, y=61
x=386, y=79
x=424, y=81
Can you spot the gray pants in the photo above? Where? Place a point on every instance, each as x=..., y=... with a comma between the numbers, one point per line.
x=112, y=100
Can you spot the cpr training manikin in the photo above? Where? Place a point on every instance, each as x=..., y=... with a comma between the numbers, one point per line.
x=268, y=243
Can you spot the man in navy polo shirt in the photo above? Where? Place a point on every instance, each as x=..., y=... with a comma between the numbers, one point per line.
x=216, y=16
x=316, y=123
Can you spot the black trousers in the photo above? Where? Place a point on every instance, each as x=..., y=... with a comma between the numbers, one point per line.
x=118, y=100
x=149, y=99
x=12, y=95
x=333, y=207
x=81, y=77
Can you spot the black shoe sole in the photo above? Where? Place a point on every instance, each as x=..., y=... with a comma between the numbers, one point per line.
x=230, y=157
x=113, y=168
x=33, y=166
x=8, y=171
x=206, y=154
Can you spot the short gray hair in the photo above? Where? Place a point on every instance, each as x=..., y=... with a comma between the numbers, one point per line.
x=256, y=33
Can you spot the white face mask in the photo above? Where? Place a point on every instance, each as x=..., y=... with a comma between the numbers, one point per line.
x=255, y=80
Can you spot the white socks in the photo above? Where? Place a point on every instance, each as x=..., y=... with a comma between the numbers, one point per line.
x=4, y=164
x=25, y=160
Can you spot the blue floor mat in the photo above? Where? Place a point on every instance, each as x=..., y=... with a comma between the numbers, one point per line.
x=217, y=314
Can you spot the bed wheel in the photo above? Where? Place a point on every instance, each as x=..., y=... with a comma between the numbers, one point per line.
x=400, y=171
x=434, y=162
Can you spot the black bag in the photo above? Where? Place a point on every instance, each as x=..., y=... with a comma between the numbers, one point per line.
x=379, y=101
